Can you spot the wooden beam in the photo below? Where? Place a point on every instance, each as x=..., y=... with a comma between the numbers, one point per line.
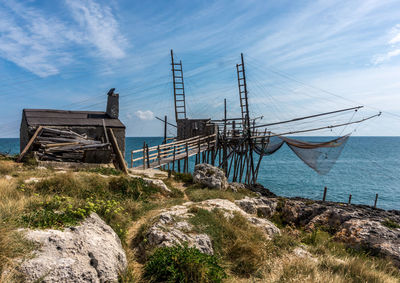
x=120, y=158
x=28, y=146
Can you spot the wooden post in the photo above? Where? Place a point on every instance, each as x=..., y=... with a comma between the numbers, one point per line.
x=165, y=129
x=224, y=117
x=198, y=150
x=105, y=131
x=118, y=153
x=148, y=158
x=158, y=155
x=144, y=155
x=324, y=197
x=350, y=199
x=187, y=158
x=376, y=200
x=179, y=165
x=131, y=159
x=173, y=159
x=28, y=146
x=165, y=133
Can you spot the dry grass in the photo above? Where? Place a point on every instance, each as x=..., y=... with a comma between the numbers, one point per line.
x=12, y=243
x=7, y=167
x=247, y=256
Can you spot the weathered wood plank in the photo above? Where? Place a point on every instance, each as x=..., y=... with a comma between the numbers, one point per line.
x=118, y=153
x=28, y=146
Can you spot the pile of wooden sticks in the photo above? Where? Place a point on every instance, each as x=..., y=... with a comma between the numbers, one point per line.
x=64, y=145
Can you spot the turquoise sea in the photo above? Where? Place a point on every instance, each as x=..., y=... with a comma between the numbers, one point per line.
x=367, y=166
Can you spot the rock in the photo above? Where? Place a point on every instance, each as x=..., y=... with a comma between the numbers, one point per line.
x=263, y=207
x=235, y=187
x=90, y=252
x=358, y=226
x=32, y=180
x=258, y=188
x=158, y=184
x=210, y=176
x=171, y=226
x=374, y=236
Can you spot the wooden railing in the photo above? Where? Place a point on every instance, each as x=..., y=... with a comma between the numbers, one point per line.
x=156, y=156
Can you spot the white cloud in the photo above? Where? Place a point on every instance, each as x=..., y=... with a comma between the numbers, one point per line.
x=395, y=35
x=386, y=57
x=31, y=40
x=43, y=44
x=144, y=115
x=394, y=42
x=100, y=27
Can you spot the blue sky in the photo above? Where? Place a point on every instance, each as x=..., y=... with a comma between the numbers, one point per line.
x=302, y=57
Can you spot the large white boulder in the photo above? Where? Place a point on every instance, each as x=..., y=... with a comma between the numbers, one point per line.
x=210, y=176
x=90, y=252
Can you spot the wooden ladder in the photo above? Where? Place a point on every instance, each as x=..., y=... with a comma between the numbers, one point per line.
x=179, y=89
x=244, y=105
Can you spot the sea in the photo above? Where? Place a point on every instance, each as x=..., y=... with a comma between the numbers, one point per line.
x=366, y=167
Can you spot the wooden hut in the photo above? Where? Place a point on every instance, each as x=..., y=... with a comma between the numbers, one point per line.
x=91, y=125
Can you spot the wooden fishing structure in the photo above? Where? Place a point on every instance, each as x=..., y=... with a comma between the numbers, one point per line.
x=237, y=145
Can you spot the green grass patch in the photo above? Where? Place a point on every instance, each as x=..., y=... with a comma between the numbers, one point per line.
x=134, y=188
x=198, y=193
x=105, y=171
x=242, y=246
x=390, y=224
x=61, y=212
x=182, y=264
x=187, y=178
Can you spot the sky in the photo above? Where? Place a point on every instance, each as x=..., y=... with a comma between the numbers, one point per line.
x=301, y=58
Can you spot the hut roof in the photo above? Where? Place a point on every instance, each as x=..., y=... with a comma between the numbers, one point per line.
x=50, y=117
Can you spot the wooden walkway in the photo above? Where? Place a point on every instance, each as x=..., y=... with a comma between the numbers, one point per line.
x=169, y=153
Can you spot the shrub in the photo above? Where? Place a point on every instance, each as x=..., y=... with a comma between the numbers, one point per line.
x=184, y=177
x=182, y=264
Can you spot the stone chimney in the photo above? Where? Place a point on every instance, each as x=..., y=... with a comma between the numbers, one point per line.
x=112, y=104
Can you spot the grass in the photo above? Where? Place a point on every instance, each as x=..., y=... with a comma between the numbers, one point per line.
x=59, y=200
x=390, y=224
x=186, y=178
x=182, y=264
x=197, y=193
x=240, y=245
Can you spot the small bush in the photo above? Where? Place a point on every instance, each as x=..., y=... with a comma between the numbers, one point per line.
x=182, y=264
x=184, y=177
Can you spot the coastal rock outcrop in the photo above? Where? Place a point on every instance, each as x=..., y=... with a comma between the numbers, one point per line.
x=261, y=206
x=210, y=176
x=90, y=252
x=171, y=226
x=359, y=226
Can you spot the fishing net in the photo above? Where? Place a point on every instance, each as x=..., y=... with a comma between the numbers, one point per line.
x=320, y=156
x=268, y=145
